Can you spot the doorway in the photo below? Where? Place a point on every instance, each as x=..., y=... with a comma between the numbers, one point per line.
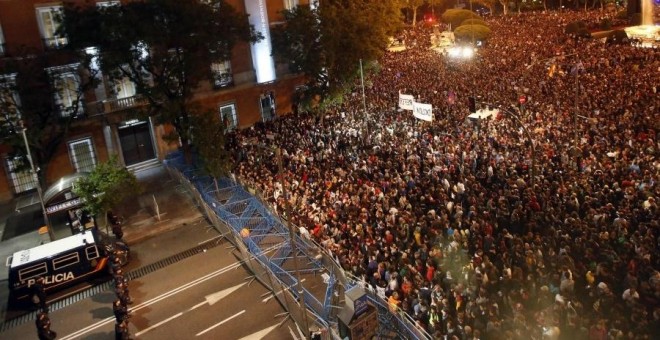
x=136, y=142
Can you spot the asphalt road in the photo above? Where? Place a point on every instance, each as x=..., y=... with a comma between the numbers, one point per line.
x=206, y=296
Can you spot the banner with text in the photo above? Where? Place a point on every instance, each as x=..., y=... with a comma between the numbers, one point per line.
x=406, y=101
x=423, y=111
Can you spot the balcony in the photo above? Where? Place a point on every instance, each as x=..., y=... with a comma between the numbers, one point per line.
x=115, y=105
x=55, y=43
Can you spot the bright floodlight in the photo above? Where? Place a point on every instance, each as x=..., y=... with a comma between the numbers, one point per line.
x=461, y=52
x=455, y=52
x=467, y=52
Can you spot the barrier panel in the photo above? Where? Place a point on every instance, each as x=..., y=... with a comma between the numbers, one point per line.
x=230, y=207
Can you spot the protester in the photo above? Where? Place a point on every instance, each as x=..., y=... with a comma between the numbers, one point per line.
x=449, y=221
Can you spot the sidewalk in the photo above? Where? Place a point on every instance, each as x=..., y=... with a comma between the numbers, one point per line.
x=161, y=207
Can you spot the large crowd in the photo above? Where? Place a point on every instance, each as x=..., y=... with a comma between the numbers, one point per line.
x=542, y=222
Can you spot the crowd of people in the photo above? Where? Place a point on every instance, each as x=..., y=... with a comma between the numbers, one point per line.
x=542, y=222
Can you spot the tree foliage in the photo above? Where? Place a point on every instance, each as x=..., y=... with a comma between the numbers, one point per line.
x=328, y=42
x=414, y=5
x=209, y=140
x=467, y=32
x=474, y=22
x=32, y=92
x=165, y=47
x=106, y=186
x=456, y=16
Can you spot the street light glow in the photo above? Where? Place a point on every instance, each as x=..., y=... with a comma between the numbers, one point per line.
x=464, y=52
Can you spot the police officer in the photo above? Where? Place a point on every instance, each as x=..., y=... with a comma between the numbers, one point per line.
x=43, y=327
x=120, y=310
x=115, y=262
x=39, y=294
x=121, y=331
x=117, y=231
x=121, y=290
x=119, y=277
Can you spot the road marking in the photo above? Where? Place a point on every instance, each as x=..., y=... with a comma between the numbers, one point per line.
x=158, y=324
x=165, y=295
x=260, y=334
x=215, y=297
x=170, y=318
x=145, y=304
x=209, y=240
x=220, y=323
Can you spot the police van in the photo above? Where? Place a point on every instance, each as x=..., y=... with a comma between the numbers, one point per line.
x=60, y=263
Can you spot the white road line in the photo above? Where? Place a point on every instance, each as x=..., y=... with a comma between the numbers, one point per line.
x=165, y=295
x=158, y=324
x=171, y=318
x=220, y=323
x=209, y=240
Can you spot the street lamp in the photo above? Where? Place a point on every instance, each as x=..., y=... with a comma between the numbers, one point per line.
x=36, y=179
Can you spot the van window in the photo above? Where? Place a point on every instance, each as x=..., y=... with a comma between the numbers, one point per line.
x=33, y=271
x=92, y=252
x=65, y=261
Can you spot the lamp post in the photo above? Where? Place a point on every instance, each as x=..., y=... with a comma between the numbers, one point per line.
x=38, y=183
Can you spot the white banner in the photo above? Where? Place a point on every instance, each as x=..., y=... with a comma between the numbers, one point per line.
x=423, y=111
x=406, y=101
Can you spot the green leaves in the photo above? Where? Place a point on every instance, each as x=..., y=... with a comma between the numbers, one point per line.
x=327, y=43
x=164, y=47
x=106, y=186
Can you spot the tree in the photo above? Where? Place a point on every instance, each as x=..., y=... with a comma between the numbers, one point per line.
x=456, y=16
x=43, y=99
x=505, y=6
x=328, y=42
x=478, y=32
x=414, y=5
x=165, y=47
x=490, y=4
x=474, y=22
x=106, y=187
x=209, y=139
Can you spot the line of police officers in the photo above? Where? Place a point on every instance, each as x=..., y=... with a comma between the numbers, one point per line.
x=119, y=306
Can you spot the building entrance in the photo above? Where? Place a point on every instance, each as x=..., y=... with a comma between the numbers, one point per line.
x=136, y=142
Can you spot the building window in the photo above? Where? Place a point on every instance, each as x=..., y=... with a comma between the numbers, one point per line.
x=9, y=103
x=267, y=105
x=2, y=42
x=222, y=76
x=20, y=176
x=49, y=21
x=66, y=85
x=124, y=88
x=228, y=116
x=82, y=155
x=290, y=4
